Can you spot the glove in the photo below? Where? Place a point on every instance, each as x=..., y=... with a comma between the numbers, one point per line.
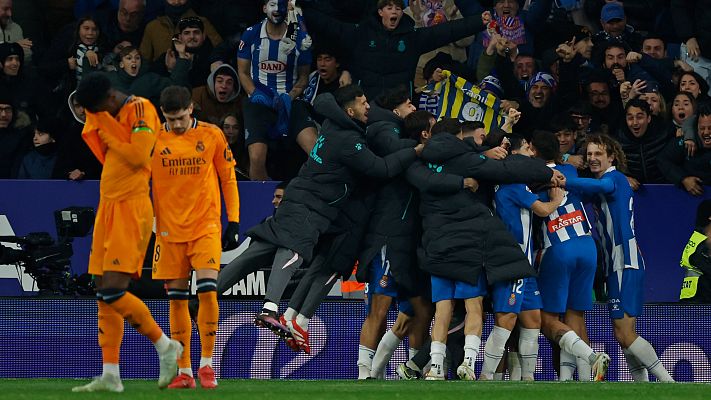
x=261, y=95
x=231, y=236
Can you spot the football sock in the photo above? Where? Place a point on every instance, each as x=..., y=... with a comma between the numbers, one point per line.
x=412, y=353
x=646, y=355
x=584, y=369
x=528, y=351
x=208, y=315
x=472, y=343
x=494, y=351
x=387, y=346
x=498, y=376
x=110, y=333
x=205, y=361
x=271, y=306
x=181, y=327
x=637, y=369
x=290, y=314
x=303, y=322
x=567, y=366
x=572, y=343
x=110, y=369
x=437, y=352
x=365, y=361
x=134, y=311
x=513, y=360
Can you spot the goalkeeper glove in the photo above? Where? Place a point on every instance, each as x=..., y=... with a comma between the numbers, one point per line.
x=231, y=236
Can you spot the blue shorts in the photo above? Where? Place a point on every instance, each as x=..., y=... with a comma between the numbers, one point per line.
x=516, y=296
x=448, y=289
x=382, y=282
x=566, y=275
x=625, y=298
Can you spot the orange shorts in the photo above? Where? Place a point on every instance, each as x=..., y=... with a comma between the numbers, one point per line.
x=122, y=231
x=173, y=260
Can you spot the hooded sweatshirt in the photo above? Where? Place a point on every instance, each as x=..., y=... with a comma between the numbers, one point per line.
x=206, y=103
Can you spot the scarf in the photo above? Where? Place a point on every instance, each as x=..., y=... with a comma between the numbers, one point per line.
x=82, y=49
x=511, y=28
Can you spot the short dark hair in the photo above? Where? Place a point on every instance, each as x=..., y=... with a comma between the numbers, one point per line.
x=615, y=44
x=470, y=126
x=175, y=98
x=562, y=122
x=448, y=125
x=495, y=137
x=396, y=3
x=639, y=103
x=703, y=213
x=546, y=144
x=281, y=185
x=327, y=50
x=656, y=36
x=415, y=123
x=581, y=107
x=516, y=141
x=93, y=89
x=393, y=97
x=346, y=95
x=703, y=109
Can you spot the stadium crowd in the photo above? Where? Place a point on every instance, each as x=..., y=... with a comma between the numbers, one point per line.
x=527, y=97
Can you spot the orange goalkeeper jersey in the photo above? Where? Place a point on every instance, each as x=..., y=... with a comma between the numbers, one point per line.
x=125, y=148
x=186, y=188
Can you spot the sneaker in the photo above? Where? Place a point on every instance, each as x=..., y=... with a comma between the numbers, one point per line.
x=432, y=376
x=103, y=383
x=599, y=367
x=290, y=342
x=407, y=373
x=466, y=373
x=301, y=336
x=268, y=319
x=182, y=381
x=207, y=377
x=169, y=363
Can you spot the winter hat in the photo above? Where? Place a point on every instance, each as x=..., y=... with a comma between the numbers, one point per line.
x=544, y=77
x=11, y=49
x=492, y=84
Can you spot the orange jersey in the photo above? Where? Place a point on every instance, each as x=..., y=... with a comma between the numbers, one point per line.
x=186, y=188
x=123, y=144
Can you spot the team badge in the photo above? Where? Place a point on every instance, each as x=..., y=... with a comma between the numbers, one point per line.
x=401, y=46
x=200, y=146
x=384, y=281
x=512, y=299
x=228, y=154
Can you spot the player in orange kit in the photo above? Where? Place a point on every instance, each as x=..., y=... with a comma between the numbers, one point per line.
x=189, y=158
x=120, y=131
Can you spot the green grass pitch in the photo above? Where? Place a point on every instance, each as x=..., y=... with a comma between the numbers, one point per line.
x=60, y=389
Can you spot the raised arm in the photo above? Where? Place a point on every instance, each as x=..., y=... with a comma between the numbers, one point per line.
x=513, y=169
x=589, y=186
x=428, y=181
x=439, y=35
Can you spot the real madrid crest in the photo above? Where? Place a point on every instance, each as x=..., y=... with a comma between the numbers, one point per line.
x=200, y=146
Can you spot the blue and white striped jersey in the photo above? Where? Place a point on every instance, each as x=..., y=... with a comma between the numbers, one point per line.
x=274, y=62
x=513, y=206
x=569, y=220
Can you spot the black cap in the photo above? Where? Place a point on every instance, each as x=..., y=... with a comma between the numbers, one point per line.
x=191, y=22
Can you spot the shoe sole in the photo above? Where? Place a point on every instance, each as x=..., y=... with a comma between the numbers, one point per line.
x=279, y=330
x=601, y=370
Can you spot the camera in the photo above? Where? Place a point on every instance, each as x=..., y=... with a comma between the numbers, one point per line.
x=47, y=260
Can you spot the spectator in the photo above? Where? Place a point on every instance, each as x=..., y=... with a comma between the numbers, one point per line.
x=690, y=172
x=538, y=106
x=15, y=79
x=327, y=77
x=159, y=32
x=39, y=162
x=190, y=42
x=618, y=69
x=75, y=161
x=565, y=131
x=615, y=29
x=15, y=137
x=606, y=113
x=642, y=139
x=581, y=113
x=683, y=108
x=691, y=20
x=693, y=83
x=123, y=27
x=232, y=127
x=11, y=32
x=132, y=77
x=220, y=96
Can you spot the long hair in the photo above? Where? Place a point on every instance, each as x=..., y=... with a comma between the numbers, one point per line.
x=612, y=148
x=77, y=27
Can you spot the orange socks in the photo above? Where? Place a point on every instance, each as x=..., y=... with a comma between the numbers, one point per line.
x=208, y=314
x=181, y=328
x=134, y=311
x=110, y=333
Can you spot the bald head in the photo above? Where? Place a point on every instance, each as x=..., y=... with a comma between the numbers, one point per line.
x=130, y=14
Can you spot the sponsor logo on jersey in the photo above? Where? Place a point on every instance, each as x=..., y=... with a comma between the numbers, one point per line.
x=566, y=220
x=183, y=161
x=272, y=67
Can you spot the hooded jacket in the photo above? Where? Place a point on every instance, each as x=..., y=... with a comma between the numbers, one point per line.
x=206, y=103
x=461, y=237
x=642, y=152
x=313, y=200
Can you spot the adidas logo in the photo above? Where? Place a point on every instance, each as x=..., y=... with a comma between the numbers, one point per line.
x=165, y=152
x=211, y=261
x=115, y=261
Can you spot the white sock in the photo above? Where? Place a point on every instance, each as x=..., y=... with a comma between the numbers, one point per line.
x=437, y=352
x=513, y=363
x=494, y=351
x=584, y=369
x=365, y=361
x=387, y=346
x=498, y=376
x=205, y=361
x=528, y=351
x=187, y=371
x=637, y=369
x=411, y=364
x=162, y=344
x=303, y=322
x=271, y=306
x=290, y=314
x=573, y=344
x=110, y=369
x=411, y=353
x=472, y=343
x=567, y=366
x=648, y=357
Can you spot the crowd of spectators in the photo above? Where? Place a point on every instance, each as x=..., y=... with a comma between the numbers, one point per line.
x=638, y=71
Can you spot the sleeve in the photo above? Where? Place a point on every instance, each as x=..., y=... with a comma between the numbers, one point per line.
x=469, y=8
x=327, y=26
x=661, y=71
x=146, y=48
x=689, y=127
x=427, y=181
x=522, y=198
x=244, y=50
x=681, y=11
x=671, y=160
x=485, y=65
x=700, y=259
x=589, y=186
x=535, y=18
x=140, y=129
x=509, y=170
x=305, y=58
x=431, y=38
x=384, y=140
x=180, y=75
x=356, y=155
x=225, y=166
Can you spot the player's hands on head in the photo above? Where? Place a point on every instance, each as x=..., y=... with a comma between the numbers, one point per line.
x=230, y=238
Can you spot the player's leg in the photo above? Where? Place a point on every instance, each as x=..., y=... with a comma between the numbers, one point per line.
x=421, y=321
x=301, y=124
x=391, y=340
x=438, y=347
x=529, y=329
x=507, y=299
x=576, y=321
x=371, y=331
x=473, y=324
x=285, y=264
x=580, y=296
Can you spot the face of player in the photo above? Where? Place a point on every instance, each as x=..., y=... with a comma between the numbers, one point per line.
x=704, y=130
x=131, y=63
x=359, y=109
x=179, y=122
x=599, y=95
x=524, y=68
x=688, y=83
x=88, y=32
x=224, y=87
x=653, y=48
x=615, y=57
x=539, y=94
x=477, y=134
x=681, y=108
x=130, y=15
x=278, y=196
x=566, y=140
x=637, y=121
x=654, y=102
x=11, y=66
x=585, y=47
x=192, y=37
x=404, y=109
x=506, y=8
x=5, y=115
x=390, y=16
x=41, y=138
x=230, y=126
x=276, y=11
x=524, y=150
x=598, y=159
x=614, y=27
x=327, y=67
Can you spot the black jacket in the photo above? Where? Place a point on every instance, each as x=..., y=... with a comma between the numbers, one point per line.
x=676, y=165
x=384, y=59
x=642, y=152
x=313, y=199
x=691, y=19
x=460, y=234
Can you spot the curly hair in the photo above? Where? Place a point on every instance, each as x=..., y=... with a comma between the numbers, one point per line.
x=612, y=148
